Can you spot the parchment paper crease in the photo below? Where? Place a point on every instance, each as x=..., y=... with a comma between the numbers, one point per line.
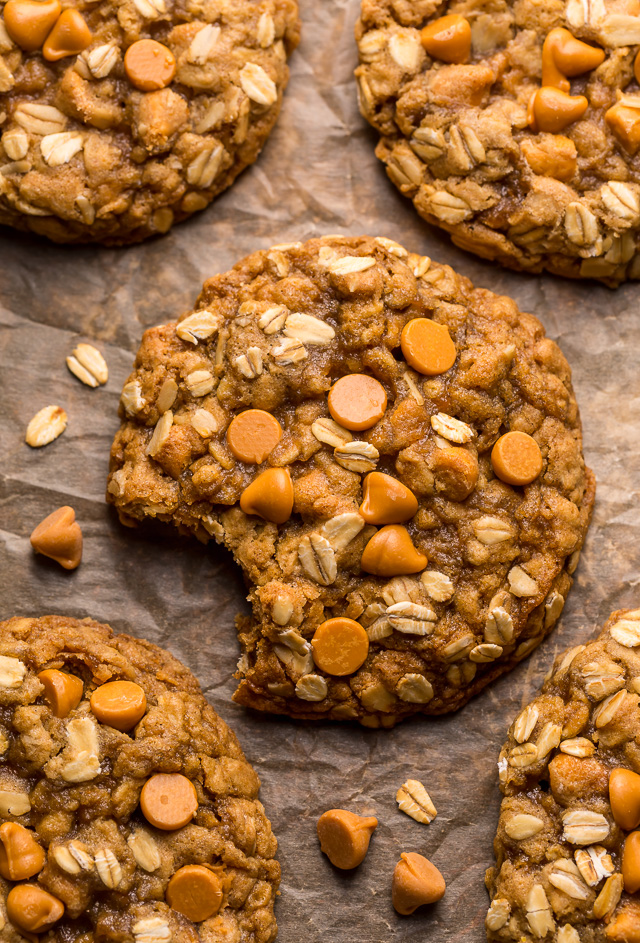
x=317, y=174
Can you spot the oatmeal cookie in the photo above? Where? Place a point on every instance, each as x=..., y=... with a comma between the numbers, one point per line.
x=515, y=126
x=120, y=117
x=567, y=846
x=126, y=803
x=393, y=457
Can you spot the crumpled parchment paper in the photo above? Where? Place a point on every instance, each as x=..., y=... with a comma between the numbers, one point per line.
x=317, y=175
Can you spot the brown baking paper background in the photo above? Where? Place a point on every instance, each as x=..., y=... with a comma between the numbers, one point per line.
x=317, y=175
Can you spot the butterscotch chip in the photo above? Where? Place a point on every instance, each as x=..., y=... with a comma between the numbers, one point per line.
x=357, y=401
x=624, y=796
x=168, y=801
x=196, y=892
x=136, y=114
x=252, y=435
x=149, y=65
x=29, y=22
x=69, y=36
x=360, y=513
x=340, y=646
x=566, y=847
x=21, y=856
x=270, y=496
x=448, y=38
x=62, y=692
x=516, y=458
x=416, y=881
x=427, y=346
x=391, y=552
x=345, y=836
x=59, y=537
x=100, y=855
x=119, y=704
x=386, y=500
x=461, y=97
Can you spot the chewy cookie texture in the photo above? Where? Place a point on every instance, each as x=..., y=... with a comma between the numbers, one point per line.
x=568, y=846
x=516, y=127
x=121, y=117
x=296, y=417
x=128, y=809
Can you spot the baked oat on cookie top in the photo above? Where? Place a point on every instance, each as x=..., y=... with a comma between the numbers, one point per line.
x=127, y=808
x=515, y=126
x=120, y=117
x=568, y=844
x=393, y=457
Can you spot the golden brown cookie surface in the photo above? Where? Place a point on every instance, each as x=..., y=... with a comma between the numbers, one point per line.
x=515, y=128
x=120, y=117
x=122, y=795
x=454, y=574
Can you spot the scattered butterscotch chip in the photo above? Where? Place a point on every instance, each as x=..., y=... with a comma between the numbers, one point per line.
x=516, y=458
x=29, y=22
x=149, y=65
x=631, y=863
x=552, y=110
x=416, y=881
x=33, y=909
x=62, y=692
x=195, y=892
x=88, y=365
x=168, y=801
x=345, y=836
x=563, y=55
x=414, y=799
x=386, y=500
x=427, y=346
x=624, y=796
x=69, y=36
x=340, y=646
x=448, y=38
x=46, y=425
x=391, y=552
x=357, y=401
x=270, y=496
x=59, y=537
x=119, y=704
x=20, y=854
x=252, y=435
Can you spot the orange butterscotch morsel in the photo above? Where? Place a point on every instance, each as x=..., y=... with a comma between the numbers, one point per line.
x=20, y=854
x=149, y=65
x=119, y=704
x=340, y=646
x=624, y=796
x=62, y=692
x=516, y=458
x=624, y=123
x=59, y=537
x=386, y=500
x=563, y=55
x=625, y=924
x=390, y=552
x=357, y=401
x=636, y=65
x=416, y=881
x=69, y=36
x=252, y=435
x=195, y=892
x=29, y=22
x=345, y=836
x=33, y=909
x=631, y=863
x=168, y=801
x=551, y=156
x=448, y=38
x=427, y=346
x=270, y=496
x=455, y=472
x=552, y=110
